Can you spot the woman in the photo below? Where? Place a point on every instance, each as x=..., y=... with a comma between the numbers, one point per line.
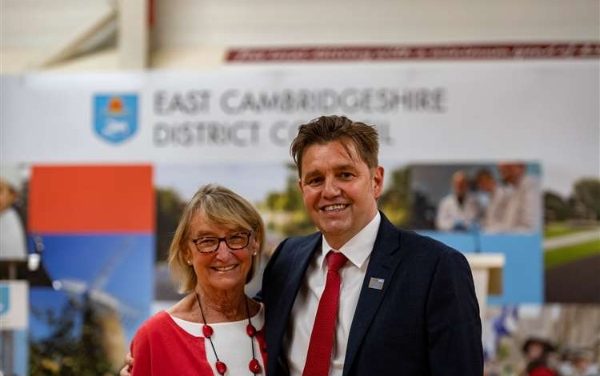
x=215, y=329
x=537, y=352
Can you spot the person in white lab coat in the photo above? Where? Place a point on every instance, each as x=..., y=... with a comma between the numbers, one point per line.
x=458, y=211
x=518, y=202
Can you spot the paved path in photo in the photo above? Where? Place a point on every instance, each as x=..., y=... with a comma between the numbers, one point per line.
x=572, y=239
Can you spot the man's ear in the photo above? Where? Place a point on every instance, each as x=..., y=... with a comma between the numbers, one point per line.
x=378, y=173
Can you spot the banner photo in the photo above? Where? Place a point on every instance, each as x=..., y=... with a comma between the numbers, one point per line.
x=485, y=208
x=561, y=337
x=94, y=229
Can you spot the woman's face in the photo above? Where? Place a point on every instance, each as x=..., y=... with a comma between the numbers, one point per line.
x=223, y=269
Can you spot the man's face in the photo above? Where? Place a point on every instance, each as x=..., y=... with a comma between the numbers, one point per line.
x=339, y=190
x=486, y=183
x=7, y=195
x=460, y=184
x=511, y=172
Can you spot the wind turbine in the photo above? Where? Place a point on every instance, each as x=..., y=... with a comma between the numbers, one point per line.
x=100, y=308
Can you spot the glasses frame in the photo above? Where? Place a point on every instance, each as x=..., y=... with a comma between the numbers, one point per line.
x=223, y=239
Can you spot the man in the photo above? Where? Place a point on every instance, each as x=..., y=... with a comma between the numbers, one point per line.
x=521, y=201
x=458, y=210
x=405, y=305
x=13, y=248
x=491, y=197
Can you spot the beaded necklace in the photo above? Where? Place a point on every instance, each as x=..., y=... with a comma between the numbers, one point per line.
x=208, y=331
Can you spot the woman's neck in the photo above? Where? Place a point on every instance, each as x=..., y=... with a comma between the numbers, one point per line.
x=217, y=307
x=223, y=305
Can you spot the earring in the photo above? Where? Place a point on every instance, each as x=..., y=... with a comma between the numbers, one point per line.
x=189, y=262
x=254, y=254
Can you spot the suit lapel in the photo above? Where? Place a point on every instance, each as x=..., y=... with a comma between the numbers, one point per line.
x=299, y=263
x=298, y=259
x=382, y=263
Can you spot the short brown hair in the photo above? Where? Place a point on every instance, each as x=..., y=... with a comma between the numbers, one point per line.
x=336, y=128
x=220, y=206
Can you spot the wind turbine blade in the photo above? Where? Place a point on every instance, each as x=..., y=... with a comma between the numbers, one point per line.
x=71, y=286
x=107, y=269
x=106, y=300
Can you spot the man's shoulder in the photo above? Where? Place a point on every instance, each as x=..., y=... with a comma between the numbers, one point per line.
x=529, y=182
x=423, y=244
x=447, y=199
x=293, y=242
x=431, y=254
x=408, y=240
x=293, y=248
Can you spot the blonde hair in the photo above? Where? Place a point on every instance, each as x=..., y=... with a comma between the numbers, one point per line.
x=220, y=206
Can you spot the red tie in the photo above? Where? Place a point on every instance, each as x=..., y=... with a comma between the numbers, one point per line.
x=318, y=358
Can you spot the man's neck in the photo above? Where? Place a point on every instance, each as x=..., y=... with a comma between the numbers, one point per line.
x=337, y=242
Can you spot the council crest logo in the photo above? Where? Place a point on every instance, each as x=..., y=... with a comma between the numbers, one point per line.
x=115, y=117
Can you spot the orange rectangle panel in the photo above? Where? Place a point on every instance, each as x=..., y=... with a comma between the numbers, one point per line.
x=93, y=199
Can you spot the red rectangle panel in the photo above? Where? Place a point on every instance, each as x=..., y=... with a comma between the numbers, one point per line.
x=78, y=199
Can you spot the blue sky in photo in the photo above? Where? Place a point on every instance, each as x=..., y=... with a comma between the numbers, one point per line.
x=120, y=265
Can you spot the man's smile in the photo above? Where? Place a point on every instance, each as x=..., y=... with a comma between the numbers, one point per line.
x=334, y=207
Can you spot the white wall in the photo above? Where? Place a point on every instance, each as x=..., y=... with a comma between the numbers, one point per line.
x=193, y=34
x=272, y=22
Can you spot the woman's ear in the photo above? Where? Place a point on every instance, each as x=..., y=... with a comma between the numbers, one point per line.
x=254, y=244
x=187, y=256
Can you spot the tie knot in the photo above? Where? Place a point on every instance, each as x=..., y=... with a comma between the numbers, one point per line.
x=335, y=260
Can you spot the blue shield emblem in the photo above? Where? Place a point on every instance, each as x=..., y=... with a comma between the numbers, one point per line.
x=4, y=299
x=115, y=117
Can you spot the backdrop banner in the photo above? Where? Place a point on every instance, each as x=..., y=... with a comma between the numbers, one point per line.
x=234, y=125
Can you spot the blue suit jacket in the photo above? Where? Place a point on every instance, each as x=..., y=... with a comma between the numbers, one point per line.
x=425, y=320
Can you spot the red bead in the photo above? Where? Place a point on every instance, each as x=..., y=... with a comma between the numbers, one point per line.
x=251, y=330
x=207, y=331
x=221, y=367
x=254, y=366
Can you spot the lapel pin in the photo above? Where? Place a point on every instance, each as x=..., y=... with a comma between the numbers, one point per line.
x=376, y=283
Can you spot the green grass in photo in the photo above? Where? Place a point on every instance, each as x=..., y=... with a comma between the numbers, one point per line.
x=570, y=253
x=556, y=229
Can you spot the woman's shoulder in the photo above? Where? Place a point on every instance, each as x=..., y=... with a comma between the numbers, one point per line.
x=154, y=323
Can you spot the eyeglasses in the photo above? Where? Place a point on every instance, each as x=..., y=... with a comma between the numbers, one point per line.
x=209, y=244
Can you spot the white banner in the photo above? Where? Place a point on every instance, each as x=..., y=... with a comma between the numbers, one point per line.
x=545, y=111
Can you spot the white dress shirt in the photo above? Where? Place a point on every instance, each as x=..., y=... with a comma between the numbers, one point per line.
x=357, y=250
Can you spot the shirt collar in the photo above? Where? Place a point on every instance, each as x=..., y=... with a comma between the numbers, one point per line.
x=357, y=249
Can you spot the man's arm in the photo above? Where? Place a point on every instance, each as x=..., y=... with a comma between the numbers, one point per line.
x=530, y=207
x=453, y=322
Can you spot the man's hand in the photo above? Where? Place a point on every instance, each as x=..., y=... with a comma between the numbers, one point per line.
x=126, y=370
